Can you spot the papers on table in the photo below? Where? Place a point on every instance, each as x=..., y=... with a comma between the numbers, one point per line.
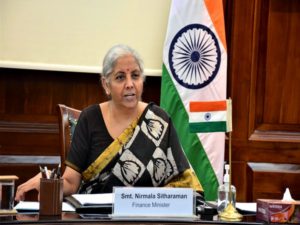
x=91, y=203
x=248, y=207
x=29, y=206
x=80, y=203
x=94, y=199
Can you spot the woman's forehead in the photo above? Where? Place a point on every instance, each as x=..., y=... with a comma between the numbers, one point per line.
x=127, y=63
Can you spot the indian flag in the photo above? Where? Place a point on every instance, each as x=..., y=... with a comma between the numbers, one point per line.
x=210, y=116
x=194, y=70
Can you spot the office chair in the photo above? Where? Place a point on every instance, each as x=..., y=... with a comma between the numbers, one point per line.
x=67, y=119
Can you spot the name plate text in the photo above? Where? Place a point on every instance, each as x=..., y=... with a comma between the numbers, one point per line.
x=142, y=201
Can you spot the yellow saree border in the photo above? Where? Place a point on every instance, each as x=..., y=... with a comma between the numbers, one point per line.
x=186, y=179
x=109, y=153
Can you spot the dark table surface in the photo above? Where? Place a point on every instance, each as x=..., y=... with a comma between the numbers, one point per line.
x=74, y=218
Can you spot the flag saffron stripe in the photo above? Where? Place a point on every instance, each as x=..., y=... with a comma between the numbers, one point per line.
x=208, y=106
x=215, y=9
x=206, y=127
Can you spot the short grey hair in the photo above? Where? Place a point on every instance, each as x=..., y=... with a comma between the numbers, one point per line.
x=114, y=54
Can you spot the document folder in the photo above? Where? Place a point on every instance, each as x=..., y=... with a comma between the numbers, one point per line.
x=88, y=207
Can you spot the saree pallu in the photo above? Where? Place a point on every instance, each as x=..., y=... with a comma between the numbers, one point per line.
x=147, y=153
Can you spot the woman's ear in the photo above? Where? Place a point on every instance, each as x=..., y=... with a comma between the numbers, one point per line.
x=105, y=86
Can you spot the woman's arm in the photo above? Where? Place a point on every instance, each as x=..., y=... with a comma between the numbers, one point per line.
x=71, y=177
x=72, y=180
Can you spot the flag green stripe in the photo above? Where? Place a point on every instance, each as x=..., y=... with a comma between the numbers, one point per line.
x=171, y=102
x=205, y=127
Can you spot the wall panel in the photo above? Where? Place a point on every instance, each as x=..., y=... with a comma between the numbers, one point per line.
x=263, y=68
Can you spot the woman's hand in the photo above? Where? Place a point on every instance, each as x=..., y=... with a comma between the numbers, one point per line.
x=72, y=180
x=31, y=184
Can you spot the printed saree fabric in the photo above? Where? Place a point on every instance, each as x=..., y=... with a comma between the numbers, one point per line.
x=147, y=153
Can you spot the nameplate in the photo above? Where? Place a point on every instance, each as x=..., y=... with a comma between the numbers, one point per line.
x=162, y=202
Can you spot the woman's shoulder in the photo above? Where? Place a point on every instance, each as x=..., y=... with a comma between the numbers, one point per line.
x=158, y=110
x=91, y=110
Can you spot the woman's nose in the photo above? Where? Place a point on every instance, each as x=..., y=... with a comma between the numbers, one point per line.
x=129, y=82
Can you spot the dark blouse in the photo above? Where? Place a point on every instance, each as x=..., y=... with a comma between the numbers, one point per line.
x=90, y=135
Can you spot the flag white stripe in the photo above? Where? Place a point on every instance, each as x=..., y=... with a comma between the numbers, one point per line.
x=203, y=116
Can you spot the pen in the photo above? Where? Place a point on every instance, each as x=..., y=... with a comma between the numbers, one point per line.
x=42, y=172
x=58, y=173
x=52, y=174
x=46, y=172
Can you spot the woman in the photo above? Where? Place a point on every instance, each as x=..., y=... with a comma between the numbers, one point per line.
x=123, y=141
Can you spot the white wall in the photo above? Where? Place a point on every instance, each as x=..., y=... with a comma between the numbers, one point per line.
x=74, y=35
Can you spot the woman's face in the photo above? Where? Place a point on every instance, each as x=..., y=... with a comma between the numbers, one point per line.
x=125, y=82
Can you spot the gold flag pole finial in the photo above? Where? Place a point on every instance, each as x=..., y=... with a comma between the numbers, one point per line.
x=230, y=213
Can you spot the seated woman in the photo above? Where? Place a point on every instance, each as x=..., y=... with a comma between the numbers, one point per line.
x=123, y=141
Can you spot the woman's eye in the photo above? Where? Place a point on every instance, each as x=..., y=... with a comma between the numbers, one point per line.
x=136, y=75
x=119, y=76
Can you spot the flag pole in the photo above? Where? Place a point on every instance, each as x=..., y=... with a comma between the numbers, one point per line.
x=230, y=213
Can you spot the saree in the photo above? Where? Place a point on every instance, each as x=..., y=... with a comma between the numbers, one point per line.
x=147, y=153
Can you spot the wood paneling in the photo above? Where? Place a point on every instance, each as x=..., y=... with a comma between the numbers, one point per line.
x=275, y=113
x=264, y=74
x=270, y=180
x=28, y=124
